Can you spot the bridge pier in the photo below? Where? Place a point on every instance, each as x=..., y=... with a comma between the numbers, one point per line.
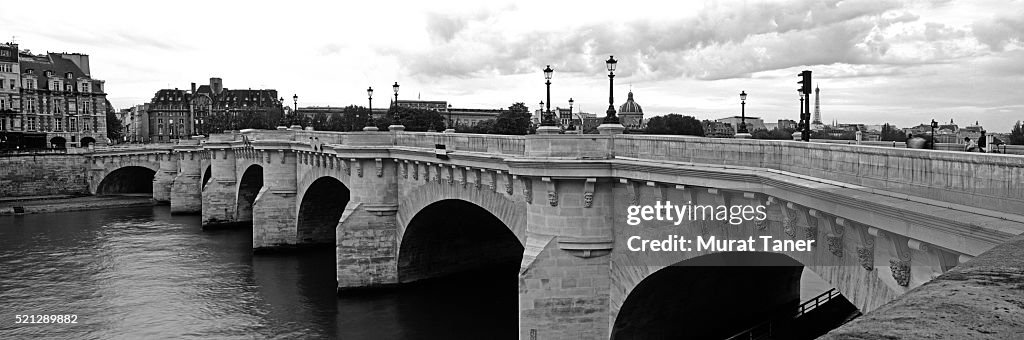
x=163, y=180
x=367, y=233
x=218, y=196
x=274, y=210
x=565, y=278
x=187, y=188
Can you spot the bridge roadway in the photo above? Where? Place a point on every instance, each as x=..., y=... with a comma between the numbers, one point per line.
x=884, y=220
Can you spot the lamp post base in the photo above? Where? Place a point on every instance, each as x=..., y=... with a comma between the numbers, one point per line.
x=610, y=129
x=371, y=128
x=742, y=135
x=798, y=136
x=396, y=128
x=548, y=130
x=449, y=130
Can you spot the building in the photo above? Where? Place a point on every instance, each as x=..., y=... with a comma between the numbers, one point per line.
x=175, y=114
x=753, y=123
x=787, y=124
x=631, y=115
x=49, y=100
x=718, y=129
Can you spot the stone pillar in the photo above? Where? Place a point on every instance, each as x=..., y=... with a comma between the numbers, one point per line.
x=565, y=278
x=220, y=193
x=273, y=212
x=367, y=233
x=164, y=178
x=186, y=190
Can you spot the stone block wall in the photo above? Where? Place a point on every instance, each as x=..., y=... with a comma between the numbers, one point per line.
x=37, y=175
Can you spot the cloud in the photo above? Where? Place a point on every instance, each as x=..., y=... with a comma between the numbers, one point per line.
x=999, y=31
x=720, y=41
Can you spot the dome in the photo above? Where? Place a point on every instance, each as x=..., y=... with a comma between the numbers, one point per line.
x=630, y=106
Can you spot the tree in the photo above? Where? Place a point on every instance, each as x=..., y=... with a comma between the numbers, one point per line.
x=515, y=121
x=776, y=133
x=1017, y=134
x=115, y=130
x=890, y=133
x=319, y=121
x=674, y=124
x=412, y=119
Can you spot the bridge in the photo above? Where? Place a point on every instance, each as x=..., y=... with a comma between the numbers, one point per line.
x=406, y=206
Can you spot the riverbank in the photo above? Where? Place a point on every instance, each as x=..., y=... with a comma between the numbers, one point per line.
x=62, y=203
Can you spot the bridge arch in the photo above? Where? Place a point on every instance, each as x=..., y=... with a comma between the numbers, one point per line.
x=132, y=179
x=691, y=298
x=249, y=186
x=453, y=235
x=85, y=142
x=58, y=142
x=512, y=214
x=320, y=208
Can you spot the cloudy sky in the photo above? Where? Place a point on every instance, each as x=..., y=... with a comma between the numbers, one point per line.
x=904, y=62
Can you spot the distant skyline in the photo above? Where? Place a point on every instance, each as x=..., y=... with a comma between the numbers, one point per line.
x=902, y=62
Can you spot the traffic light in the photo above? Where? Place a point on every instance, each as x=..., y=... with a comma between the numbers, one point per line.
x=805, y=82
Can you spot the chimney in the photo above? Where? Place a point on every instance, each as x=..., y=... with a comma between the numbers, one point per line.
x=193, y=88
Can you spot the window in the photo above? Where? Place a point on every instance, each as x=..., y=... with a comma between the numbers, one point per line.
x=30, y=84
x=3, y=103
x=85, y=87
x=56, y=86
x=4, y=67
x=5, y=53
x=13, y=83
x=31, y=123
x=68, y=75
x=72, y=124
x=58, y=124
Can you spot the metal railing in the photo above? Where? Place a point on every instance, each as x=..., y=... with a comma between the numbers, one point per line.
x=765, y=329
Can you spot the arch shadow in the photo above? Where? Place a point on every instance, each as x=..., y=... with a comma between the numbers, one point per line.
x=58, y=142
x=451, y=236
x=127, y=180
x=248, y=188
x=207, y=175
x=85, y=142
x=712, y=296
x=320, y=209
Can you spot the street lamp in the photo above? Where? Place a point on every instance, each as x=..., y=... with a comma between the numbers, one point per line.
x=610, y=118
x=547, y=119
x=541, y=109
x=395, y=88
x=934, y=125
x=570, y=113
x=743, y=112
x=369, y=118
x=295, y=98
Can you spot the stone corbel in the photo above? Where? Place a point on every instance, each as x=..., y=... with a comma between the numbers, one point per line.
x=763, y=224
x=405, y=169
x=632, y=191
x=552, y=191
x=451, y=175
x=494, y=180
x=811, y=227
x=284, y=155
x=380, y=166
x=901, y=266
x=527, y=189
x=266, y=153
x=479, y=178
x=426, y=171
x=509, y=180
x=440, y=176
x=586, y=247
x=834, y=235
x=358, y=165
x=191, y=156
x=463, y=176
x=588, y=192
x=330, y=162
x=719, y=196
x=788, y=219
x=416, y=170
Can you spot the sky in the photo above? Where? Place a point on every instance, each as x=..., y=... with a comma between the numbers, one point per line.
x=875, y=61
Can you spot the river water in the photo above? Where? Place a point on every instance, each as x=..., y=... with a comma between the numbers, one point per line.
x=142, y=273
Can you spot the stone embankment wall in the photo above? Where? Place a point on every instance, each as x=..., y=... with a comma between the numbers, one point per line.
x=43, y=174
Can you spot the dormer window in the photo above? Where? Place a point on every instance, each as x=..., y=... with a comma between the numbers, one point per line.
x=48, y=73
x=68, y=75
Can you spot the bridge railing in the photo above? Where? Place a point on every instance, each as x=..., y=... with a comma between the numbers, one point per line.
x=984, y=180
x=497, y=144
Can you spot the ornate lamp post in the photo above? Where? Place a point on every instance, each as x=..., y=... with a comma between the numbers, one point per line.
x=743, y=112
x=934, y=126
x=295, y=98
x=548, y=119
x=571, y=113
x=611, y=124
x=395, y=125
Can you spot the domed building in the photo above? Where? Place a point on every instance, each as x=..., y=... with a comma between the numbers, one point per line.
x=631, y=115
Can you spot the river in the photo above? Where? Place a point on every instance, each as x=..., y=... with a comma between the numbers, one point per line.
x=142, y=273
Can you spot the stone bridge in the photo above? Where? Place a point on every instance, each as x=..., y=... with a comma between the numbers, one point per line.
x=399, y=209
